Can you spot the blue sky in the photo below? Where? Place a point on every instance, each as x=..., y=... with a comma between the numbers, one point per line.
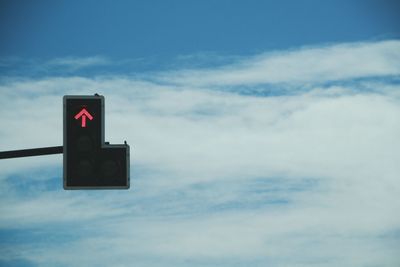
x=262, y=133
x=154, y=33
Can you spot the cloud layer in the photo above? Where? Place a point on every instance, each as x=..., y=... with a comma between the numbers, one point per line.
x=287, y=158
x=318, y=64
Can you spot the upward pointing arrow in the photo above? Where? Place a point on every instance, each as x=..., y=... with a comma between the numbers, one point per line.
x=84, y=114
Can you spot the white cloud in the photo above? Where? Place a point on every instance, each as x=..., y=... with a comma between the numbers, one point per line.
x=212, y=164
x=309, y=64
x=76, y=63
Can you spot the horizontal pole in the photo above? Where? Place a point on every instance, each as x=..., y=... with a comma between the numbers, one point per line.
x=31, y=152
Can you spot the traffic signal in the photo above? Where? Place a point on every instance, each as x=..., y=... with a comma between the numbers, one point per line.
x=90, y=162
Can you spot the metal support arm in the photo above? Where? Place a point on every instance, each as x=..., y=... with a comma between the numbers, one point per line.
x=31, y=152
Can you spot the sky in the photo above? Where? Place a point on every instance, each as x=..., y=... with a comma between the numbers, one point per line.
x=262, y=133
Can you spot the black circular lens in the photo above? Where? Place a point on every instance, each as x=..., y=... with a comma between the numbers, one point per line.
x=85, y=168
x=84, y=143
x=109, y=168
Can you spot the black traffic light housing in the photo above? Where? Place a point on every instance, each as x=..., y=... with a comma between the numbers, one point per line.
x=90, y=162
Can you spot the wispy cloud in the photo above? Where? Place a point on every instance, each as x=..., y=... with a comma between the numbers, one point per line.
x=15, y=67
x=76, y=63
x=219, y=177
x=305, y=65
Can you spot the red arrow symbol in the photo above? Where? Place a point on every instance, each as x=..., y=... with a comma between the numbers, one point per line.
x=84, y=114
